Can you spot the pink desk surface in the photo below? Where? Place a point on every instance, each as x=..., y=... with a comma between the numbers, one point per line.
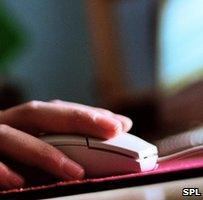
x=171, y=170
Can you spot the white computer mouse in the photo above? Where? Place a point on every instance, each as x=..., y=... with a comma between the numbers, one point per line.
x=122, y=154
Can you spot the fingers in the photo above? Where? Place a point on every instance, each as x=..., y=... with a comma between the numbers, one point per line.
x=52, y=117
x=31, y=151
x=82, y=119
x=9, y=179
x=126, y=122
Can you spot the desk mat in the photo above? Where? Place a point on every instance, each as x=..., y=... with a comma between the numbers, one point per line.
x=191, y=166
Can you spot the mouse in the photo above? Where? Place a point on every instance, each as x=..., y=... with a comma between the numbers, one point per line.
x=122, y=154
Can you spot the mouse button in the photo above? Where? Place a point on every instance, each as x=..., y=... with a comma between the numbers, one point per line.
x=65, y=140
x=116, y=144
x=127, y=144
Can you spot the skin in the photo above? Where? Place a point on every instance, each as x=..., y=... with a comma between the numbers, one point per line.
x=21, y=125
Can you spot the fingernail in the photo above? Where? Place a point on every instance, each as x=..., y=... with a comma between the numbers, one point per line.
x=16, y=182
x=72, y=170
x=126, y=121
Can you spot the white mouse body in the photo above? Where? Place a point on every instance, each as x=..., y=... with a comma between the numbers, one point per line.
x=122, y=154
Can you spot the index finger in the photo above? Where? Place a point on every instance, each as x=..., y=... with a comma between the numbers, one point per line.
x=126, y=121
x=49, y=117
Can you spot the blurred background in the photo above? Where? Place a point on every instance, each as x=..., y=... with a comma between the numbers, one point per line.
x=141, y=58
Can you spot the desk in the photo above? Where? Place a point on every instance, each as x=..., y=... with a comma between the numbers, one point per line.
x=162, y=191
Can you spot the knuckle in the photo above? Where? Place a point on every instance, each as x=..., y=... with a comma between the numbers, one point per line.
x=33, y=105
x=29, y=109
x=55, y=101
x=4, y=128
x=106, y=112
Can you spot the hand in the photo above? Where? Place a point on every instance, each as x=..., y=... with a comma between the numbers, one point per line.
x=21, y=125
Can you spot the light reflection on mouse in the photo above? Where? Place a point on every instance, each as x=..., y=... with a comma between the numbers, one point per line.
x=122, y=154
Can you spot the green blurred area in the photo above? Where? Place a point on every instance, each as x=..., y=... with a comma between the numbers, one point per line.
x=12, y=38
